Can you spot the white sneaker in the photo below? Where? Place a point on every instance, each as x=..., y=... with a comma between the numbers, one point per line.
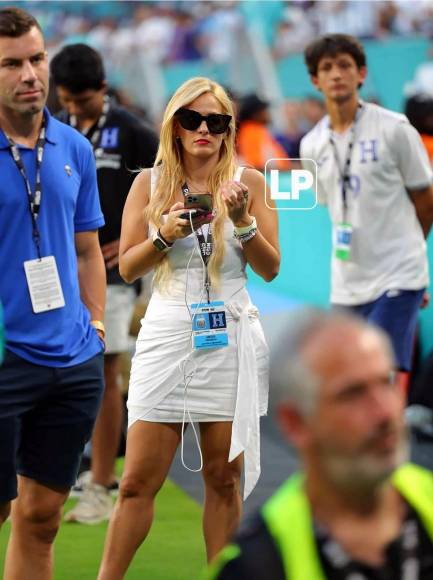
x=86, y=477
x=83, y=479
x=94, y=506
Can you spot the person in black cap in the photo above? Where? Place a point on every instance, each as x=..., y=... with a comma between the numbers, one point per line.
x=252, y=107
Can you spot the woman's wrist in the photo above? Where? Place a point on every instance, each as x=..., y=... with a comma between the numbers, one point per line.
x=167, y=237
x=245, y=233
x=243, y=222
x=245, y=226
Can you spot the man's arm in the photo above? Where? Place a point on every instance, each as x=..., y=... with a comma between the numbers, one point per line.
x=423, y=201
x=410, y=156
x=91, y=273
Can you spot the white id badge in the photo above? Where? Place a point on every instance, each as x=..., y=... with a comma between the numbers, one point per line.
x=343, y=241
x=209, y=325
x=44, y=284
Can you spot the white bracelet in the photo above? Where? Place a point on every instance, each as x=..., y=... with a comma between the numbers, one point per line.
x=247, y=237
x=246, y=229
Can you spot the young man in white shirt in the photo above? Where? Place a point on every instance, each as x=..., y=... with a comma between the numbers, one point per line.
x=375, y=178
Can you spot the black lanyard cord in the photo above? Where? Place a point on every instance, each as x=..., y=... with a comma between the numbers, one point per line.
x=206, y=246
x=35, y=197
x=344, y=170
x=94, y=137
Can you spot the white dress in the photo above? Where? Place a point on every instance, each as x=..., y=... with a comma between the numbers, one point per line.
x=229, y=383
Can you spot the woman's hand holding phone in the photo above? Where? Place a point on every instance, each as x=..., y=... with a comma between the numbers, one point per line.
x=177, y=226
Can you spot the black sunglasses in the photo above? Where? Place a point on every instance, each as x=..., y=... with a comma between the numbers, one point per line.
x=191, y=120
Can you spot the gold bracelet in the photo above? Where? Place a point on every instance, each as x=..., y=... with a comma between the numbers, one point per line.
x=99, y=325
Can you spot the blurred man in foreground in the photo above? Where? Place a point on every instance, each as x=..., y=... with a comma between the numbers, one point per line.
x=357, y=510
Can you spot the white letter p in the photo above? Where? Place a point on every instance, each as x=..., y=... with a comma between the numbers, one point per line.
x=301, y=179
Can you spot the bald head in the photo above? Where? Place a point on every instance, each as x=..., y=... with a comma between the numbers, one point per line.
x=319, y=347
x=337, y=400
x=343, y=351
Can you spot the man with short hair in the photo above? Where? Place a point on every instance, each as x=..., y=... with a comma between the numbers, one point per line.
x=374, y=175
x=356, y=510
x=52, y=288
x=122, y=144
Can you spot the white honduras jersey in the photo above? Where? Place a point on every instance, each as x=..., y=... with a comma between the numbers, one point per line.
x=388, y=249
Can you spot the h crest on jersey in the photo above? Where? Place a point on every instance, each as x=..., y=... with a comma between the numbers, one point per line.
x=110, y=138
x=368, y=149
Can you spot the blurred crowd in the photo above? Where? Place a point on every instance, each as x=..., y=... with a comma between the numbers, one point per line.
x=258, y=141
x=304, y=20
x=164, y=31
x=168, y=32
x=172, y=31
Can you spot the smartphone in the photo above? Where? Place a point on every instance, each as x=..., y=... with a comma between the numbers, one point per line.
x=202, y=202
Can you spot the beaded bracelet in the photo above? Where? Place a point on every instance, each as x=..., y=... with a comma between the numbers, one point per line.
x=237, y=232
x=246, y=237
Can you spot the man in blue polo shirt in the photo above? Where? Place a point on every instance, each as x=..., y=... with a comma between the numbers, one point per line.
x=52, y=287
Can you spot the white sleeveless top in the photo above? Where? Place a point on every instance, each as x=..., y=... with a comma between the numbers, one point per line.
x=229, y=383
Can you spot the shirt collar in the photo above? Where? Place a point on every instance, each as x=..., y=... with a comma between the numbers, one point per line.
x=51, y=132
x=359, y=112
x=51, y=128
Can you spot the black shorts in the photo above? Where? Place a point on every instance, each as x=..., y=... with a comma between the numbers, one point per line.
x=46, y=418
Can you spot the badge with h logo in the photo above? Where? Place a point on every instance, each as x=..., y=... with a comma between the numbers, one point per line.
x=209, y=325
x=217, y=319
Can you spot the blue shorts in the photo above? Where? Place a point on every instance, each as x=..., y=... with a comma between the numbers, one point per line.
x=46, y=418
x=396, y=312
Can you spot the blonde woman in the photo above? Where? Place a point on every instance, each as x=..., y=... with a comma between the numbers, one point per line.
x=223, y=389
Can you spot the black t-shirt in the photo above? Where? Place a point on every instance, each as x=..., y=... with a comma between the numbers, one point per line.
x=394, y=556
x=125, y=145
x=261, y=560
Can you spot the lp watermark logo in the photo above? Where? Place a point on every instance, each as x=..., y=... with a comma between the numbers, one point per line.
x=292, y=184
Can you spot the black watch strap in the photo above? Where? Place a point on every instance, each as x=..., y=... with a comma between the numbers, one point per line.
x=168, y=244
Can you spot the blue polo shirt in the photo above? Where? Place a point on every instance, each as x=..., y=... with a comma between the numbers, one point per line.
x=70, y=203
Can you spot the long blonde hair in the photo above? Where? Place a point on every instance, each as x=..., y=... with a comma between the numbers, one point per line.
x=171, y=173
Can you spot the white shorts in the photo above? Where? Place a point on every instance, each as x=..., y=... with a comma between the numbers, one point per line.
x=120, y=301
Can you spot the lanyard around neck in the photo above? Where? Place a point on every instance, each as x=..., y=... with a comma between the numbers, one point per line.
x=94, y=137
x=344, y=169
x=36, y=196
x=205, y=245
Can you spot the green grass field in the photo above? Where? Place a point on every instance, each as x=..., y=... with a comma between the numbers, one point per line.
x=174, y=549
